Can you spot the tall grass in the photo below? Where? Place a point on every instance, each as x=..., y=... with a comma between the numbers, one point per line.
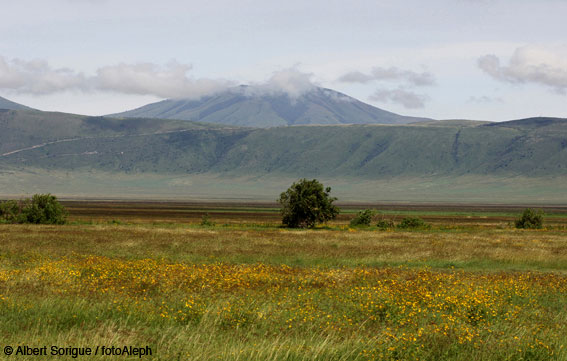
x=228, y=293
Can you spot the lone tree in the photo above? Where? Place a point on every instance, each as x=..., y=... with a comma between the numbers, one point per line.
x=307, y=203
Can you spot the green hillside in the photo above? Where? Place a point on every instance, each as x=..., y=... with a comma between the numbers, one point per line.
x=21, y=129
x=248, y=106
x=455, y=159
x=366, y=151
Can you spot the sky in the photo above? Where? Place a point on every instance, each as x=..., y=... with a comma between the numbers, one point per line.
x=444, y=59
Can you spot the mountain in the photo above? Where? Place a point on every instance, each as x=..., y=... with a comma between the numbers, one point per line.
x=65, y=141
x=254, y=107
x=523, y=160
x=8, y=104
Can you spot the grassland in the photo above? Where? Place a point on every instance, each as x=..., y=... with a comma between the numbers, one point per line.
x=206, y=187
x=137, y=274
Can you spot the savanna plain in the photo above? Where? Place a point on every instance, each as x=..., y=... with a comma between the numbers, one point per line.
x=240, y=287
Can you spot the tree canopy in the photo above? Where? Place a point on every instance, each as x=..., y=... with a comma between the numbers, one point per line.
x=307, y=203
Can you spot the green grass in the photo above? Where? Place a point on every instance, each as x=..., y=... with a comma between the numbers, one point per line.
x=261, y=292
x=335, y=246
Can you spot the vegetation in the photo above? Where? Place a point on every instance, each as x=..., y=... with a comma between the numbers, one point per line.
x=259, y=312
x=530, y=219
x=376, y=153
x=362, y=218
x=413, y=223
x=40, y=209
x=306, y=203
x=385, y=224
x=469, y=288
x=265, y=293
x=206, y=221
x=11, y=211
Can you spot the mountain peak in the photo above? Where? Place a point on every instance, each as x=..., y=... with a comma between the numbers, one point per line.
x=265, y=106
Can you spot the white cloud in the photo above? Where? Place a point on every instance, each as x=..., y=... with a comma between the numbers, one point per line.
x=356, y=77
x=170, y=81
x=173, y=80
x=392, y=73
x=291, y=81
x=37, y=77
x=529, y=64
x=404, y=97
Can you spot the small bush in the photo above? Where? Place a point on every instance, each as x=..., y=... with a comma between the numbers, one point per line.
x=413, y=223
x=385, y=224
x=206, y=221
x=44, y=209
x=362, y=218
x=530, y=219
x=40, y=209
x=11, y=212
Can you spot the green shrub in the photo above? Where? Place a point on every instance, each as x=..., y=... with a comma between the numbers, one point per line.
x=206, y=221
x=362, y=218
x=40, y=209
x=44, y=209
x=530, y=219
x=11, y=212
x=385, y=224
x=413, y=223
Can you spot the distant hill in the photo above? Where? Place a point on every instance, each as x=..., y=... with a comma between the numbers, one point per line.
x=251, y=107
x=452, y=123
x=8, y=104
x=20, y=129
x=457, y=161
x=65, y=141
x=532, y=123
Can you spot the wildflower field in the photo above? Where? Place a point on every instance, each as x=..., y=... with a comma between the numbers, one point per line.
x=249, y=292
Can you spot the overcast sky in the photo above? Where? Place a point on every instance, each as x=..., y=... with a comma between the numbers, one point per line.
x=475, y=59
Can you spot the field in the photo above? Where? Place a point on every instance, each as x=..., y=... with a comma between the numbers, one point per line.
x=149, y=274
